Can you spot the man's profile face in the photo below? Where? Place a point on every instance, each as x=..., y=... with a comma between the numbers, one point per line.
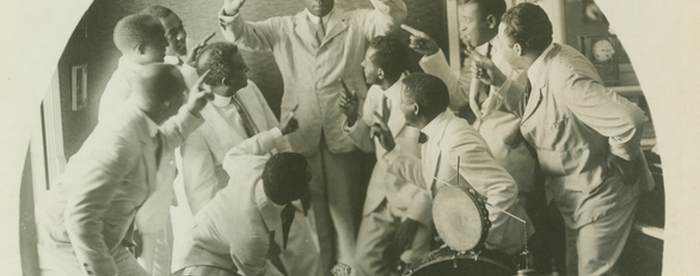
x=472, y=25
x=175, y=35
x=505, y=47
x=319, y=8
x=370, y=69
x=237, y=79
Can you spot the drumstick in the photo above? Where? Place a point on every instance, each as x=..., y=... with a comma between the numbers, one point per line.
x=507, y=213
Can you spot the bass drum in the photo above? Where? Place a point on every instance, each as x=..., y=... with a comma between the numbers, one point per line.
x=446, y=262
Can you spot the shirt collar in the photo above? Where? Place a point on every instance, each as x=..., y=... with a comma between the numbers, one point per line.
x=314, y=19
x=432, y=128
x=129, y=65
x=221, y=101
x=173, y=60
x=394, y=91
x=536, y=70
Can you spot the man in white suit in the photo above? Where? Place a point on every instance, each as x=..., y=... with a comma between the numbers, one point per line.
x=141, y=40
x=90, y=219
x=586, y=136
x=397, y=220
x=238, y=112
x=446, y=138
x=313, y=50
x=478, y=21
x=257, y=224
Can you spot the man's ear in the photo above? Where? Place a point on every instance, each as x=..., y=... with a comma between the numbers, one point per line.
x=492, y=21
x=416, y=109
x=139, y=49
x=223, y=81
x=380, y=74
x=518, y=49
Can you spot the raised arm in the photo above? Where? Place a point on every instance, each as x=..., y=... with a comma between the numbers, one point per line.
x=357, y=124
x=258, y=36
x=387, y=16
x=434, y=62
x=478, y=168
x=260, y=144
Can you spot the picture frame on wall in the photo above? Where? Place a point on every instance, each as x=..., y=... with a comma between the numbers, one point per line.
x=79, y=91
x=604, y=53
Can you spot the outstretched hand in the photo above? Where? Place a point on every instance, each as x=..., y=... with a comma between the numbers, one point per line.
x=421, y=42
x=405, y=234
x=231, y=7
x=485, y=70
x=289, y=124
x=349, y=104
x=199, y=95
x=194, y=52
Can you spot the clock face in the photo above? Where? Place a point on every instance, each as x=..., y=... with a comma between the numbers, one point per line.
x=603, y=50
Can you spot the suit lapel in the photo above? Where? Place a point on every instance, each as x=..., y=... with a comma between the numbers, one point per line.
x=337, y=26
x=303, y=30
x=533, y=103
x=248, y=101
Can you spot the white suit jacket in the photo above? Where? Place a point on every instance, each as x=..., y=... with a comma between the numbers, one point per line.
x=236, y=229
x=105, y=184
x=405, y=199
x=499, y=127
x=203, y=151
x=310, y=71
x=574, y=122
x=450, y=137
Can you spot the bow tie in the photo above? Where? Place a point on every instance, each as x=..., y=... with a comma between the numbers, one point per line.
x=422, y=138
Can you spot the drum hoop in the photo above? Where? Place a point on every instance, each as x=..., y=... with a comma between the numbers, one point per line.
x=439, y=259
x=483, y=215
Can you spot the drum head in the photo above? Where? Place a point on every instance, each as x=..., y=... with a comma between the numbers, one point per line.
x=458, y=218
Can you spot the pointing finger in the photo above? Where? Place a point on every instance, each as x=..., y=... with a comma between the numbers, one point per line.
x=381, y=119
x=412, y=30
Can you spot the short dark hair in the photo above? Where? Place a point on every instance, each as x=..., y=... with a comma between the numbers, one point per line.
x=285, y=175
x=157, y=11
x=528, y=25
x=136, y=29
x=486, y=7
x=391, y=55
x=216, y=57
x=428, y=91
x=159, y=82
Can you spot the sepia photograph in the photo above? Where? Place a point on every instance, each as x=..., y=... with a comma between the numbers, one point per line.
x=350, y=137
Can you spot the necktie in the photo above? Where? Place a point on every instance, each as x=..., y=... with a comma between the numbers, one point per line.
x=159, y=147
x=248, y=124
x=386, y=109
x=487, y=89
x=320, y=31
x=287, y=218
x=422, y=138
